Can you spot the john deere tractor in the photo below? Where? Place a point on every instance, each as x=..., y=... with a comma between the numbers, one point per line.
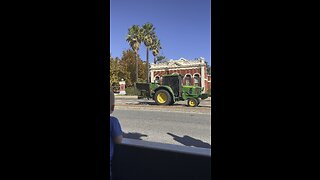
x=170, y=91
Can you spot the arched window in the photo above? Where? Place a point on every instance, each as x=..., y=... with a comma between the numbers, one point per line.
x=188, y=80
x=157, y=79
x=197, y=80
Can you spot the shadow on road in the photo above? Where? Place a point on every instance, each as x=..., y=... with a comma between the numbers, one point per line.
x=134, y=135
x=189, y=141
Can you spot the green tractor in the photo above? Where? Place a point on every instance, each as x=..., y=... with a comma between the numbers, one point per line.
x=170, y=91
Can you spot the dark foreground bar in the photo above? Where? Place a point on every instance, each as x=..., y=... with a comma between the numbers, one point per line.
x=142, y=160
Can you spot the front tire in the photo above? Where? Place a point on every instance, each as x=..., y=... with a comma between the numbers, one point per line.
x=163, y=97
x=192, y=102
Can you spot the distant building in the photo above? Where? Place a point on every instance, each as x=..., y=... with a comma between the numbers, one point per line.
x=194, y=72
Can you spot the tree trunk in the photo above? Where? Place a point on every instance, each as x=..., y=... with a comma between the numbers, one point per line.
x=136, y=66
x=148, y=81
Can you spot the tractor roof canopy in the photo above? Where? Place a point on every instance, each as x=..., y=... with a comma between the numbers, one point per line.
x=172, y=75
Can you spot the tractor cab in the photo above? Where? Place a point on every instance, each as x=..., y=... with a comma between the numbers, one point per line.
x=175, y=82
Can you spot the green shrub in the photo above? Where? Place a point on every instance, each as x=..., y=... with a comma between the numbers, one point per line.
x=131, y=91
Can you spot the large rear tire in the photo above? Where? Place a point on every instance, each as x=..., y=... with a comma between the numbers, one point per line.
x=163, y=97
x=198, y=99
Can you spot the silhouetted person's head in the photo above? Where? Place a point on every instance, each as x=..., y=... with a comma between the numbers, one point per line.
x=112, y=102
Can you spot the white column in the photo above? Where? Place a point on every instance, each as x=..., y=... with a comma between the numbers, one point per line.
x=122, y=87
x=152, y=76
x=202, y=78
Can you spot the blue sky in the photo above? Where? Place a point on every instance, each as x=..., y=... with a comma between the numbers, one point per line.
x=183, y=26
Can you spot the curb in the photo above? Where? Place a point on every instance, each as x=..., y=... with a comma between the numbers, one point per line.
x=125, y=97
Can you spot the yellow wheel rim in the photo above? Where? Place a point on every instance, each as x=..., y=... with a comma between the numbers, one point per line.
x=192, y=103
x=162, y=98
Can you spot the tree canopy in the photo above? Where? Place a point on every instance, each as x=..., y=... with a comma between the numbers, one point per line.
x=124, y=68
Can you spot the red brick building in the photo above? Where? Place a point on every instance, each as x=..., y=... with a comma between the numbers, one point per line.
x=194, y=72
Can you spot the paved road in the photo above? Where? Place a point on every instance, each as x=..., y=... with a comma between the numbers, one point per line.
x=182, y=128
x=131, y=102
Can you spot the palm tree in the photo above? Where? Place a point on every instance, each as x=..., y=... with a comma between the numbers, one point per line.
x=134, y=38
x=161, y=58
x=148, y=36
x=156, y=46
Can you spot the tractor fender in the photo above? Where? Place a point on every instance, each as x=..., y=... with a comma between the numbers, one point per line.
x=167, y=88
